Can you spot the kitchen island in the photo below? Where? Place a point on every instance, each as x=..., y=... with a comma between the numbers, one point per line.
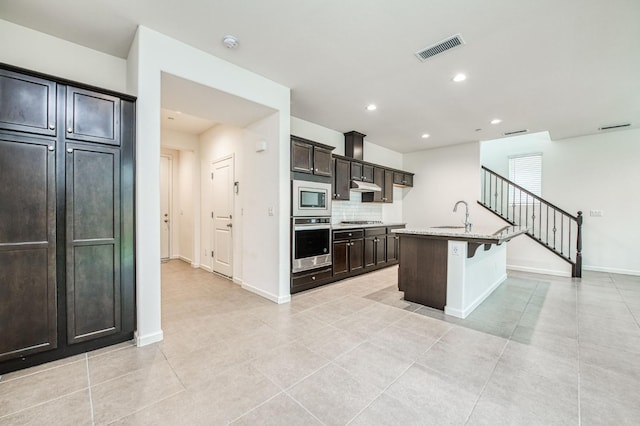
x=451, y=269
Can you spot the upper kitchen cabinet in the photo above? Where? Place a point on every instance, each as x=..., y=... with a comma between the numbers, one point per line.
x=27, y=103
x=384, y=179
x=92, y=117
x=341, y=179
x=362, y=172
x=403, y=179
x=310, y=157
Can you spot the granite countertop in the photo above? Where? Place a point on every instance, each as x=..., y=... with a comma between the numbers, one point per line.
x=477, y=234
x=338, y=226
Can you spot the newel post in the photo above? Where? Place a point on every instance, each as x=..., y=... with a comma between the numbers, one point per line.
x=577, y=268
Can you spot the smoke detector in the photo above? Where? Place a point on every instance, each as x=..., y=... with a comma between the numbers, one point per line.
x=230, y=41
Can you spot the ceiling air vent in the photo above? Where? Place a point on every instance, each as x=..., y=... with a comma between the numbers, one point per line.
x=443, y=46
x=516, y=132
x=615, y=126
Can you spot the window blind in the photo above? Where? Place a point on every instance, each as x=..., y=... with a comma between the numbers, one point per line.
x=526, y=171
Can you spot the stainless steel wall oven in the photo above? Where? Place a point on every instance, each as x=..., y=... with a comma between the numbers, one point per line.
x=311, y=245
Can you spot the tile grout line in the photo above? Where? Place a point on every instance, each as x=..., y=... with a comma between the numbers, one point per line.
x=397, y=378
x=504, y=348
x=86, y=357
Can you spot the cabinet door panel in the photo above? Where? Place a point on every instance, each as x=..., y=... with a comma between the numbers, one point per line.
x=92, y=117
x=93, y=242
x=387, y=188
x=356, y=171
x=369, y=252
x=356, y=254
x=28, y=316
x=301, y=157
x=27, y=104
x=342, y=182
x=340, y=257
x=381, y=250
x=321, y=161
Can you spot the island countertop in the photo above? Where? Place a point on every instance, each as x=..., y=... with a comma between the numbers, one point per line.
x=457, y=233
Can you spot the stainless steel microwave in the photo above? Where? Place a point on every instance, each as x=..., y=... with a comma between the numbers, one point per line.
x=310, y=198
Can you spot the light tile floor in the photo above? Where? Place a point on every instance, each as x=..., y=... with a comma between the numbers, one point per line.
x=541, y=350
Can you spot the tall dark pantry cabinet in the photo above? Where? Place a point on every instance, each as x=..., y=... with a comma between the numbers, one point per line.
x=67, y=271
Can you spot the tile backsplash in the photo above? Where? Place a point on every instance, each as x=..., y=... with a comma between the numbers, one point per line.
x=355, y=209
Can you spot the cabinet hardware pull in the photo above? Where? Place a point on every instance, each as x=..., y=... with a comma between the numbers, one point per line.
x=52, y=127
x=51, y=148
x=313, y=278
x=70, y=130
x=69, y=150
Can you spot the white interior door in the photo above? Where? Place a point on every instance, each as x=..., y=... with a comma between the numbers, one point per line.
x=165, y=207
x=222, y=205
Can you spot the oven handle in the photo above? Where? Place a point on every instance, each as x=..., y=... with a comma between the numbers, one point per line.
x=310, y=227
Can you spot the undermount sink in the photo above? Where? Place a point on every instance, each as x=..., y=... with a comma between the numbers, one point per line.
x=448, y=227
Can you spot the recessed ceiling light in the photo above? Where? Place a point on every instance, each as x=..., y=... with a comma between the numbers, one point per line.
x=496, y=121
x=425, y=135
x=459, y=77
x=371, y=107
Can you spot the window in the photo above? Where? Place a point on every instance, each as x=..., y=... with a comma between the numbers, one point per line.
x=526, y=171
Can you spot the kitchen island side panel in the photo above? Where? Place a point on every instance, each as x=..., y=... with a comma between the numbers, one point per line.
x=422, y=272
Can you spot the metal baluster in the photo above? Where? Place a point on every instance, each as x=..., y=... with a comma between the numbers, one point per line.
x=562, y=234
x=554, y=229
x=501, y=196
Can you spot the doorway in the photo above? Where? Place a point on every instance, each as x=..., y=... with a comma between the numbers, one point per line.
x=166, y=171
x=222, y=190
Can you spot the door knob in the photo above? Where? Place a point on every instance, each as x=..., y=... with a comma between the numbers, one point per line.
x=229, y=225
x=166, y=221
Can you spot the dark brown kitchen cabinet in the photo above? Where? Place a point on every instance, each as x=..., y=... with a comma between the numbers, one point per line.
x=28, y=103
x=403, y=179
x=341, y=179
x=28, y=311
x=93, y=242
x=348, y=251
x=92, y=116
x=301, y=157
x=362, y=172
x=384, y=179
x=67, y=252
x=310, y=157
x=374, y=247
x=393, y=243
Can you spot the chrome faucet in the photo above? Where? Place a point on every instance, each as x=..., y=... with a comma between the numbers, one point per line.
x=467, y=224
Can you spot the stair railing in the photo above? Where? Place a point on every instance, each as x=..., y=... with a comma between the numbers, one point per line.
x=549, y=225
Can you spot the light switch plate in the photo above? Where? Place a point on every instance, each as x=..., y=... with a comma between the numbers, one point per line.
x=596, y=213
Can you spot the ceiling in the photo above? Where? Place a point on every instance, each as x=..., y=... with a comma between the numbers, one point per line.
x=565, y=66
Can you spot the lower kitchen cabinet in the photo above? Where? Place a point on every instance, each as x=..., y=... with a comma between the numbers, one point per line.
x=375, y=251
x=348, y=252
x=67, y=267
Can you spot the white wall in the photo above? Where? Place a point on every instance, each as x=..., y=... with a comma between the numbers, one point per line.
x=261, y=231
x=596, y=172
x=43, y=53
x=151, y=54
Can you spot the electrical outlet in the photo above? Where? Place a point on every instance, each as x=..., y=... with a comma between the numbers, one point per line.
x=596, y=213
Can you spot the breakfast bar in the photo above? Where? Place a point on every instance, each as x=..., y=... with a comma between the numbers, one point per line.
x=451, y=269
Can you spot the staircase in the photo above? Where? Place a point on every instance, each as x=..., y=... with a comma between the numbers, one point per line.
x=550, y=226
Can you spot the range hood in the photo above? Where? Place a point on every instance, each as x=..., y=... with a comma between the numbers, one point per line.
x=358, y=186
x=353, y=148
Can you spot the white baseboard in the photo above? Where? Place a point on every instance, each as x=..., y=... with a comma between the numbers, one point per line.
x=149, y=338
x=185, y=259
x=175, y=256
x=277, y=299
x=611, y=270
x=539, y=271
x=237, y=281
x=206, y=268
x=195, y=265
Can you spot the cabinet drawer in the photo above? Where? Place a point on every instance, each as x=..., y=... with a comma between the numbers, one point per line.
x=303, y=279
x=347, y=235
x=391, y=228
x=375, y=231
